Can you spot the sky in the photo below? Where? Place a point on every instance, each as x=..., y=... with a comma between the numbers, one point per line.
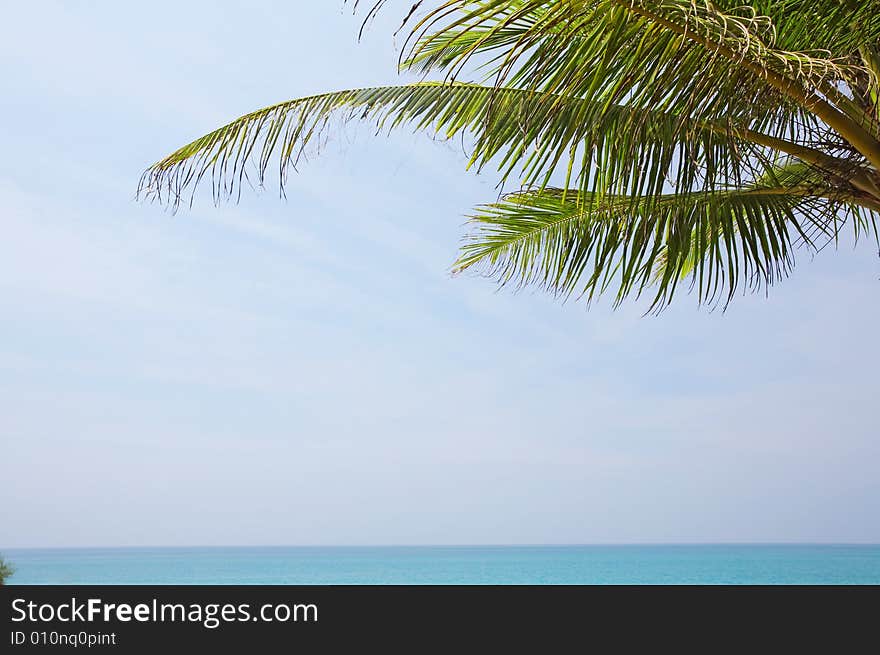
x=307, y=371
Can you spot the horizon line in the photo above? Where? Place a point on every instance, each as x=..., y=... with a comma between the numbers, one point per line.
x=451, y=545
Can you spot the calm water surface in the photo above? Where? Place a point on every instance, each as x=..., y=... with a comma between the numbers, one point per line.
x=668, y=564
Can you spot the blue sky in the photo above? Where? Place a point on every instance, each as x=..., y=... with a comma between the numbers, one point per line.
x=307, y=371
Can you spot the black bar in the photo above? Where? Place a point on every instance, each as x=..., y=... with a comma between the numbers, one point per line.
x=415, y=618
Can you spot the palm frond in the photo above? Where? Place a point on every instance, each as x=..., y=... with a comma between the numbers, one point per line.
x=530, y=134
x=576, y=245
x=684, y=56
x=838, y=28
x=702, y=143
x=605, y=148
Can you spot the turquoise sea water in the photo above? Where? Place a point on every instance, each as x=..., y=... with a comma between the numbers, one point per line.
x=667, y=564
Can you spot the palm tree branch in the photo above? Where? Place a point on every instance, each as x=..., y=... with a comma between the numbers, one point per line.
x=803, y=77
x=524, y=129
x=849, y=128
x=580, y=245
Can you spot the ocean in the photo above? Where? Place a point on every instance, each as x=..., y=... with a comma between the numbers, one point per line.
x=493, y=565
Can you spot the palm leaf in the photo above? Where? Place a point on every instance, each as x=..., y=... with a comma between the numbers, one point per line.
x=700, y=141
x=607, y=149
x=528, y=133
x=571, y=244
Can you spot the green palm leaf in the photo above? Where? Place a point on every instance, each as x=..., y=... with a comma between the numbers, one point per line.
x=699, y=141
x=529, y=133
x=571, y=244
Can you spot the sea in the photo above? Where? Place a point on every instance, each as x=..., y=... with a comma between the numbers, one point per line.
x=448, y=565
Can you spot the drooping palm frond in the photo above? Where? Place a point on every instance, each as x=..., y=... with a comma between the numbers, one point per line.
x=569, y=244
x=614, y=148
x=700, y=140
x=529, y=133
